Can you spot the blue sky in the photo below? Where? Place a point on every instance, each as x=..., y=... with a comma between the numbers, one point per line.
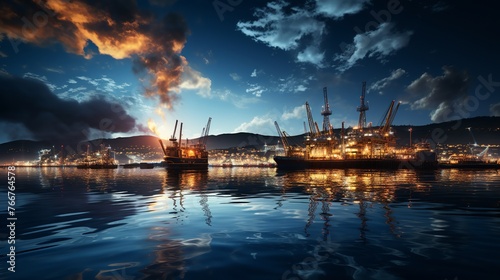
x=244, y=63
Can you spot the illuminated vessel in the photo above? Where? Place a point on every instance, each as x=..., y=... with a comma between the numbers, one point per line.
x=179, y=156
x=360, y=147
x=99, y=160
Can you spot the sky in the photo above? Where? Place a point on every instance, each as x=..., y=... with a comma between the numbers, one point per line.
x=83, y=69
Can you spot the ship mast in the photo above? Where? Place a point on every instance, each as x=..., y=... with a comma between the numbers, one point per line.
x=362, y=108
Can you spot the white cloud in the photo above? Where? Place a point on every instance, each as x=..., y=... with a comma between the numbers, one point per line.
x=254, y=73
x=78, y=93
x=284, y=31
x=298, y=112
x=193, y=80
x=103, y=84
x=235, y=76
x=239, y=101
x=382, y=83
x=312, y=55
x=439, y=7
x=378, y=43
x=300, y=88
x=256, y=124
x=94, y=82
x=256, y=90
x=292, y=84
x=41, y=78
x=339, y=8
x=59, y=71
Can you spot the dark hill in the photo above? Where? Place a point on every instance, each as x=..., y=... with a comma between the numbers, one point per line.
x=486, y=130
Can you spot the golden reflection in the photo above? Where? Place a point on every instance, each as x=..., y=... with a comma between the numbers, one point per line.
x=176, y=184
x=51, y=177
x=362, y=187
x=98, y=179
x=461, y=175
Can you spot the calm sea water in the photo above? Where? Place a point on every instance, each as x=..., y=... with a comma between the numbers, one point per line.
x=254, y=223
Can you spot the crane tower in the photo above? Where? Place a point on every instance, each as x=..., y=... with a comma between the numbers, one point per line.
x=362, y=108
x=326, y=113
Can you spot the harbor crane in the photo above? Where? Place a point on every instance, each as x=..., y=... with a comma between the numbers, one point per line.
x=326, y=113
x=312, y=127
x=362, y=108
x=204, y=133
x=283, y=137
x=385, y=125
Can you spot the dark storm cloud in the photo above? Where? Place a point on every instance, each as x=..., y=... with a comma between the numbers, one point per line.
x=117, y=28
x=442, y=94
x=47, y=117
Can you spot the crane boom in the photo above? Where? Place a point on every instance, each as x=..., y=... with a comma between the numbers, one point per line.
x=385, y=124
x=207, y=129
x=162, y=146
x=200, y=141
x=180, y=137
x=175, y=129
x=282, y=136
x=312, y=127
x=393, y=115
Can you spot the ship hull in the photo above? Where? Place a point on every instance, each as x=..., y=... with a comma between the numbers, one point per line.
x=470, y=165
x=284, y=162
x=176, y=163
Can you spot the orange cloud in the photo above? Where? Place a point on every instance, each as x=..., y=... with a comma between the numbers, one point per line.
x=118, y=29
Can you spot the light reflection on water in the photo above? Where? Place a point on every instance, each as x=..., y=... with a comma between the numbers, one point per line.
x=256, y=223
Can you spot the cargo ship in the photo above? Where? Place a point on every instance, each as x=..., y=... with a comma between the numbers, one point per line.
x=360, y=147
x=100, y=160
x=185, y=157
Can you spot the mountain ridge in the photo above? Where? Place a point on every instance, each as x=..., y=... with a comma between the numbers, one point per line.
x=484, y=130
